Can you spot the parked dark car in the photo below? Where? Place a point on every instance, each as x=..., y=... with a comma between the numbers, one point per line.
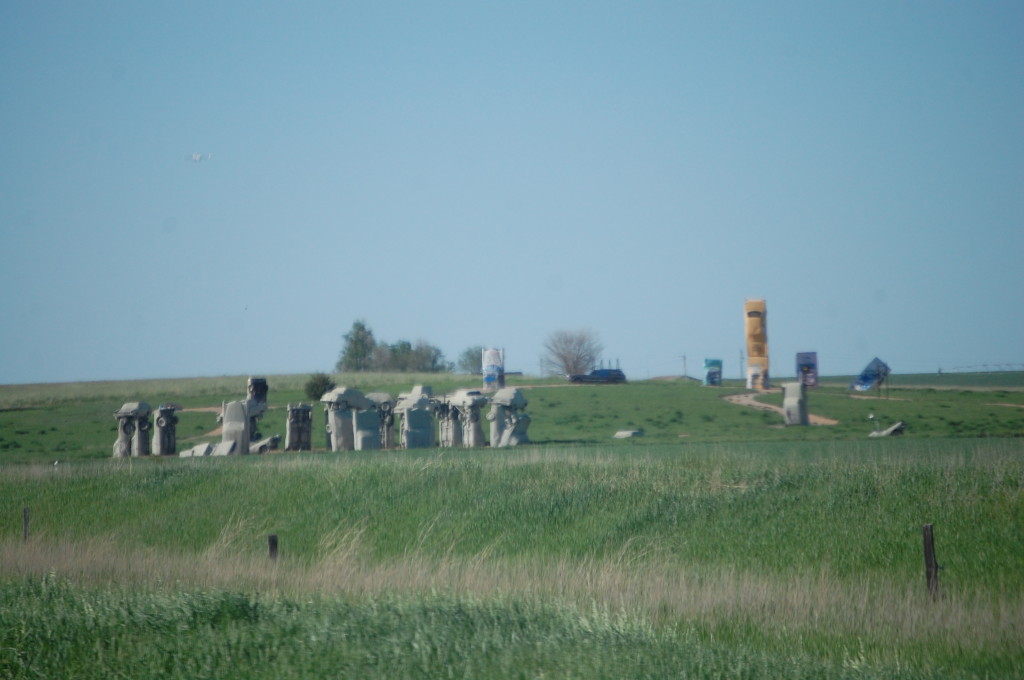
x=600, y=375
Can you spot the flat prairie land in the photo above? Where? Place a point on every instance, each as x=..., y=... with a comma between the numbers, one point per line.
x=719, y=544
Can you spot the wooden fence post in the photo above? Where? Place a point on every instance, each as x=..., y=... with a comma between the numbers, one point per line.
x=272, y=544
x=931, y=565
x=24, y=525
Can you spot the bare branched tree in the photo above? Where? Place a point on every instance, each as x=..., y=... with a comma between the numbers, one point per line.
x=571, y=352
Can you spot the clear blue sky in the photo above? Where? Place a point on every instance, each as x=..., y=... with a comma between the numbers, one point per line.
x=485, y=173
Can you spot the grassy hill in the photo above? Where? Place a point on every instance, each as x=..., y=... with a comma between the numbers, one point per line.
x=718, y=545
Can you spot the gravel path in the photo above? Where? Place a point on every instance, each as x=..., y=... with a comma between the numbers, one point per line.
x=750, y=399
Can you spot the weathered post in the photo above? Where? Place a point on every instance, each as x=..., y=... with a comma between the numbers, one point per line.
x=931, y=565
x=24, y=525
x=272, y=544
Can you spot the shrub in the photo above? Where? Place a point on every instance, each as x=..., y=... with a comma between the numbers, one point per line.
x=317, y=385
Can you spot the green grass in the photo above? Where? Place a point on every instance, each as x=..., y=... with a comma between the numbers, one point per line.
x=707, y=505
x=68, y=422
x=720, y=544
x=53, y=629
x=773, y=551
x=1011, y=380
x=221, y=635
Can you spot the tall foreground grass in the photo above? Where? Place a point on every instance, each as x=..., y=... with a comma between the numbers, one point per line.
x=49, y=628
x=793, y=559
x=813, y=616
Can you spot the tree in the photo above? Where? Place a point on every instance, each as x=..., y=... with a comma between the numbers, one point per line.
x=405, y=357
x=401, y=357
x=318, y=385
x=429, y=359
x=571, y=352
x=470, y=360
x=362, y=352
x=358, y=350
x=380, y=358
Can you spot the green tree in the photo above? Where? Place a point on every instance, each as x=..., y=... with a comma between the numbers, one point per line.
x=358, y=352
x=470, y=360
x=429, y=359
x=405, y=357
x=362, y=352
x=401, y=357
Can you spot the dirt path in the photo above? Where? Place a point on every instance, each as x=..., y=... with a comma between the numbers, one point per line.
x=750, y=399
x=216, y=432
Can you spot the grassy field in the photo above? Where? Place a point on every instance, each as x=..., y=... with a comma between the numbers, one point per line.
x=718, y=545
x=75, y=421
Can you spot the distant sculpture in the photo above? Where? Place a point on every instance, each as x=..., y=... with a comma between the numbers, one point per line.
x=339, y=429
x=756, y=319
x=492, y=363
x=415, y=410
x=385, y=406
x=257, y=389
x=807, y=368
x=873, y=375
x=712, y=372
x=235, y=424
x=165, y=440
x=366, y=429
x=132, y=430
x=125, y=430
x=508, y=420
x=257, y=404
x=299, y=428
x=340, y=404
x=893, y=430
x=267, y=444
x=794, y=403
x=239, y=420
x=197, y=451
x=450, y=429
x=467, y=404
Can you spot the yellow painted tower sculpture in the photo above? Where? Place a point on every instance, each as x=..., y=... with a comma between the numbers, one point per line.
x=756, y=318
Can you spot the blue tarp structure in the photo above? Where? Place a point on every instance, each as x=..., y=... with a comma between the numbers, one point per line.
x=873, y=375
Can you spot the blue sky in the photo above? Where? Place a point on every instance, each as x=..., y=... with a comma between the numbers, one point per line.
x=486, y=173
